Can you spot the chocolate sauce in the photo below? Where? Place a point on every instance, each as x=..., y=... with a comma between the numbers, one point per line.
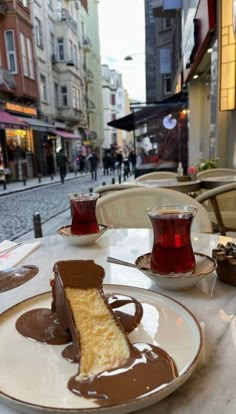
x=42, y=325
x=118, y=304
x=148, y=368
x=16, y=276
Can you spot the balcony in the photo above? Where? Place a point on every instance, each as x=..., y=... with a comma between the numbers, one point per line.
x=165, y=8
x=89, y=76
x=63, y=15
x=3, y=8
x=91, y=106
x=7, y=80
x=87, y=45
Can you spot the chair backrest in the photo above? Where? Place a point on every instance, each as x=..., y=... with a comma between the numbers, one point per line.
x=220, y=202
x=156, y=175
x=215, y=172
x=111, y=188
x=127, y=208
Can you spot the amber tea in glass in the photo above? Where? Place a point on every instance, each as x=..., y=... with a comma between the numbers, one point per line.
x=84, y=220
x=172, y=250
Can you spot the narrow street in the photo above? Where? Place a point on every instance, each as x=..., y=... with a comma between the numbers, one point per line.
x=17, y=209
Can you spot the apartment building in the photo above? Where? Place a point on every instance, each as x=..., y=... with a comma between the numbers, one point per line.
x=163, y=49
x=115, y=106
x=67, y=78
x=18, y=87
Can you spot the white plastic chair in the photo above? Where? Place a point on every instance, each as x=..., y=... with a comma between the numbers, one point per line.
x=158, y=175
x=127, y=208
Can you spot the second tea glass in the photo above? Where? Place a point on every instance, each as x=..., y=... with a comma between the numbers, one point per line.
x=83, y=209
x=172, y=250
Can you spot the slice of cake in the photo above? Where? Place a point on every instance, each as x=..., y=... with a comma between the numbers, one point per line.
x=80, y=304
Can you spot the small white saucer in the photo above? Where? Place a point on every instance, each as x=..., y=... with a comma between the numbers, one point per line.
x=178, y=281
x=84, y=240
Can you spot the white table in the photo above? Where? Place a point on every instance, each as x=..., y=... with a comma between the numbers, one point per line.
x=211, y=388
x=172, y=183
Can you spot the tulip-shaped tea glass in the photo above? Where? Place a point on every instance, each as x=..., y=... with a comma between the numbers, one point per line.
x=84, y=220
x=172, y=250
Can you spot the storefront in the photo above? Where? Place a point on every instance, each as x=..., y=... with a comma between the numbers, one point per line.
x=14, y=144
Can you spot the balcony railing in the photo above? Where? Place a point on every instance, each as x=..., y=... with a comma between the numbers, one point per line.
x=7, y=79
x=63, y=15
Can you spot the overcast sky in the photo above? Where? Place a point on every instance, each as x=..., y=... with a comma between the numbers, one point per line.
x=122, y=33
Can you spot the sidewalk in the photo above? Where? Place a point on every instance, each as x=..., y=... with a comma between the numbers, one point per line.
x=14, y=187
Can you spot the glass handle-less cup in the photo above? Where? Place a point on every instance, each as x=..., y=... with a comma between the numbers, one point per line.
x=83, y=209
x=172, y=250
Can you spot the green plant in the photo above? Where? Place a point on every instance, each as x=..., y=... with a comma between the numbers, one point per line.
x=207, y=164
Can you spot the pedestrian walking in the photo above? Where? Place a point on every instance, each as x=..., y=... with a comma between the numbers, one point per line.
x=93, y=160
x=62, y=162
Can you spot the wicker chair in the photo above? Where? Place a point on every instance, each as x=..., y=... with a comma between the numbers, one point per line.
x=111, y=188
x=127, y=208
x=156, y=175
x=215, y=172
x=220, y=202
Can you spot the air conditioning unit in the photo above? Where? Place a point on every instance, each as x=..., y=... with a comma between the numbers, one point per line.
x=70, y=62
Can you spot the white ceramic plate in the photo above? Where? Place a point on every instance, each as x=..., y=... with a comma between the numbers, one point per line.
x=34, y=375
x=85, y=240
x=181, y=281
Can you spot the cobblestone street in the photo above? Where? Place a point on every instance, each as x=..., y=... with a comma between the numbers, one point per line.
x=17, y=209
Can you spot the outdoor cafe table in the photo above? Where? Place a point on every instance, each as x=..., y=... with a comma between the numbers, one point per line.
x=172, y=183
x=211, y=387
x=213, y=182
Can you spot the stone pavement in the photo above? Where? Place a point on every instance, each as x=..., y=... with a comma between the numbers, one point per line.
x=17, y=213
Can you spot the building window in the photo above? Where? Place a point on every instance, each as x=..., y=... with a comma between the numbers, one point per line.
x=50, y=3
x=10, y=51
x=43, y=88
x=25, y=3
x=30, y=58
x=52, y=44
x=166, y=23
x=167, y=83
x=56, y=92
x=75, y=56
x=24, y=55
x=113, y=117
x=77, y=99
x=74, y=97
x=60, y=48
x=39, y=33
x=64, y=96
x=113, y=99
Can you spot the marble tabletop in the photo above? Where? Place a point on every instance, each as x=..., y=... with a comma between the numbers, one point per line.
x=211, y=388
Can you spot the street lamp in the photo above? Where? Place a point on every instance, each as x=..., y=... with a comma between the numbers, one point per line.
x=130, y=57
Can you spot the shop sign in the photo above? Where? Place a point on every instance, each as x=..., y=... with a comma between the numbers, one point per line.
x=20, y=109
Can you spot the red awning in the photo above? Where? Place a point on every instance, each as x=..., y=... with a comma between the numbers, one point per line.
x=65, y=134
x=8, y=121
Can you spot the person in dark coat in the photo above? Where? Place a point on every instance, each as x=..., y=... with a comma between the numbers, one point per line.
x=62, y=162
x=92, y=161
